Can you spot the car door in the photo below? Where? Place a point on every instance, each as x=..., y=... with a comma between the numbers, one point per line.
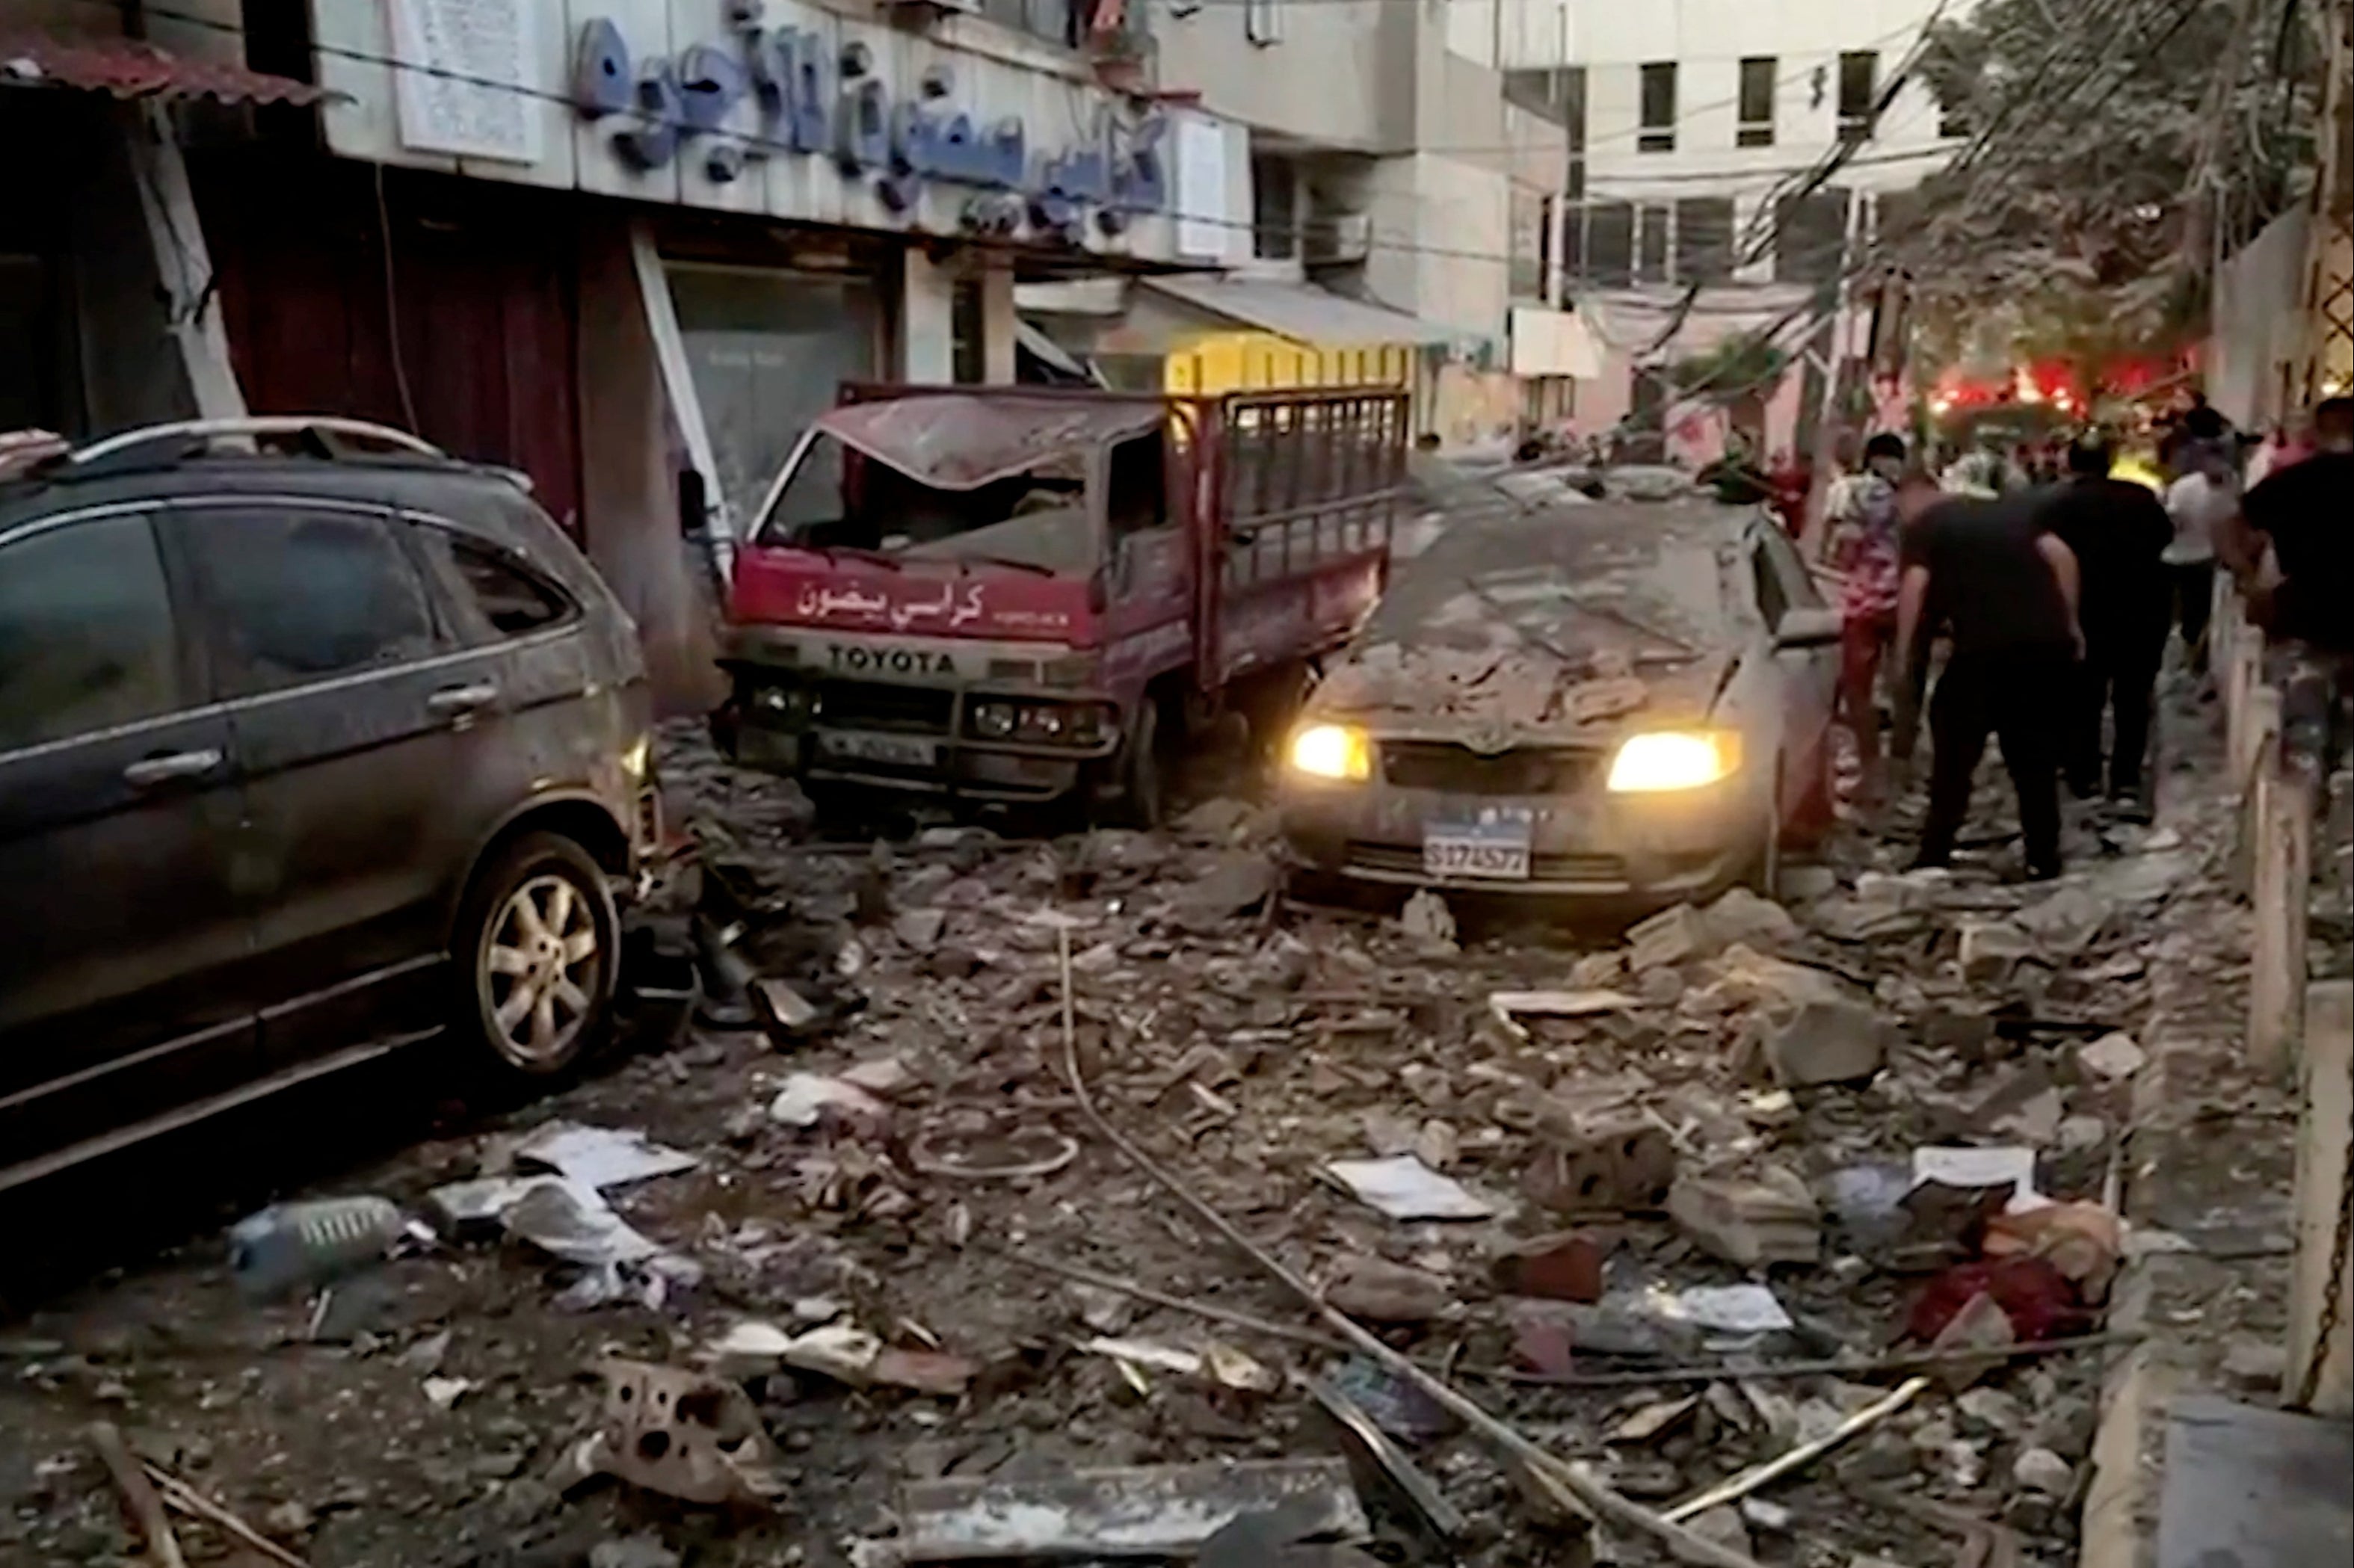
x=344, y=690
x=1807, y=669
x=119, y=934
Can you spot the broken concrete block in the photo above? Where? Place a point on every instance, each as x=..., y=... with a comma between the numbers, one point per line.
x=1429, y=920
x=1157, y=1511
x=1605, y=1167
x=2114, y=1055
x=1741, y=916
x=1992, y=950
x=1719, y=1527
x=1826, y=1042
x=2067, y=921
x=1671, y=937
x=1751, y=1224
x=2043, y=1472
x=920, y=929
x=1566, y=1266
x=1377, y=1290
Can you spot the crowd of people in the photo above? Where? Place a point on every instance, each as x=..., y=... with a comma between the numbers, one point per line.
x=2054, y=596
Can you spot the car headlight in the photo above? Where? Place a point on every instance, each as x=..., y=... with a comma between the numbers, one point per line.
x=994, y=721
x=1675, y=759
x=1332, y=751
x=639, y=757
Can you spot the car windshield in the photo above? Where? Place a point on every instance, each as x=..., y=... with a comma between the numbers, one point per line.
x=839, y=499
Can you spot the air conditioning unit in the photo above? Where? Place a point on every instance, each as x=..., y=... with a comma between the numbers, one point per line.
x=1337, y=239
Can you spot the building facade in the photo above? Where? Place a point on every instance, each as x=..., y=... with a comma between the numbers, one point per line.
x=1362, y=184
x=628, y=248
x=1706, y=207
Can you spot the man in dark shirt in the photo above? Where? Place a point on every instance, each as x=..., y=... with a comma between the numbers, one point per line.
x=2306, y=511
x=2005, y=588
x=2118, y=532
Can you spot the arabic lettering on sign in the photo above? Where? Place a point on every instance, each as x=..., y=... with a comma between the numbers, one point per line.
x=815, y=101
x=954, y=607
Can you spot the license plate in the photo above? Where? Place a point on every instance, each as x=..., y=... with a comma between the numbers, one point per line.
x=1495, y=846
x=862, y=745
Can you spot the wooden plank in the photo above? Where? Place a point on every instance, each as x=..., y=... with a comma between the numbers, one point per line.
x=1148, y=1511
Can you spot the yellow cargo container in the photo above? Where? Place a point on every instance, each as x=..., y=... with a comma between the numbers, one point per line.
x=1263, y=361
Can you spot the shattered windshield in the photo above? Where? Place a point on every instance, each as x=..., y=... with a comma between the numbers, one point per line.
x=839, y=499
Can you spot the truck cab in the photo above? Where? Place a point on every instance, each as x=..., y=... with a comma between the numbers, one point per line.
x=1018, y=595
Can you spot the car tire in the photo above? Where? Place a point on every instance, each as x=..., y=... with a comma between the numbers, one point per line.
x=536, y=953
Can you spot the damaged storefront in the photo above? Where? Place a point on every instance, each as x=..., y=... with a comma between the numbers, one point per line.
x=106, y=313
x=635, y=251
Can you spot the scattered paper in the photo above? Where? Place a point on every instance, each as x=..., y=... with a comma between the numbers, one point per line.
x=1404, y=1188
x=1982, y=1168
x=1725, y=1308
x=600, y=1157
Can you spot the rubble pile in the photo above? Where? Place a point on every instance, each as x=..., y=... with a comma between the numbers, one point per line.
x=1747, y=1215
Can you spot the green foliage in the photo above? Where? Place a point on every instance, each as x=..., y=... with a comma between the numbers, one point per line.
x=2118, y=137
x=1742, y=366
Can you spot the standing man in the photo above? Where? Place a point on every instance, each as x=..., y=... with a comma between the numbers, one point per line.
x=2200, y=503
x=2119, y=534
x=2006, y=587
x=2301, y=512
x=1860, y=545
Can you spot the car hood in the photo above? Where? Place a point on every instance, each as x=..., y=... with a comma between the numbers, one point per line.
x=1569, y=626
x=1492, y=699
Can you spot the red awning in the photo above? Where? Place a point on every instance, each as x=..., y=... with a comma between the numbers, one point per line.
x=127, y=68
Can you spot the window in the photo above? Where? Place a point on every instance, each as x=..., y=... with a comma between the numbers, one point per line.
x=1859, y=85
x=1136, y=487
x=1652, y=244
x=1275, y=192
x=1526, y=269
x=514, y=601
x=85, y=632
x=296, y=596
x=1610, y=244
x=1057, y=21
x=1704, y=240
x=1658, y=131
x=1757, y=83
x=1263, y=21
x=1809, y=237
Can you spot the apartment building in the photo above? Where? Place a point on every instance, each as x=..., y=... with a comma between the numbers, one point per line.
x=1365, y=187
x=1694, y=217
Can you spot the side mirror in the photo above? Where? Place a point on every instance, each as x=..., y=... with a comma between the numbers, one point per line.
x=1809, y=627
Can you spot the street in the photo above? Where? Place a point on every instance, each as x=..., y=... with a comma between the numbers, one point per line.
x=907, y=1244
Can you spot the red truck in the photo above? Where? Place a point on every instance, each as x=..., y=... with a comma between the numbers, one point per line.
x=1024, y=596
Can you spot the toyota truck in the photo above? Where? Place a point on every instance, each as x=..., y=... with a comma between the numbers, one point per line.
x=1027, y=596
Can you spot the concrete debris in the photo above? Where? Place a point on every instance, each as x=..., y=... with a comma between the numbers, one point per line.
x=1725, y=1308
x=1375, y=1290
x=678, y=1432
x=1991, y=950
x=920, y=929
x=2043, y=1472
x=637, y=1551
x=1751, y=1224
x=1672, y=937
x=2114, y=1055
x=1826, y=1042
x=1601, y=1166
x=1650, y=1422
x=1157, y=1511
x=1427, y=919
x=1742, y=917
x=2067, y=921
x=789, y=1013
x=1514, y=1005
x=1566, y=1266
x=1240, y=881
x=1404, y=1188
x=1721, y=1526
x=807, y=1099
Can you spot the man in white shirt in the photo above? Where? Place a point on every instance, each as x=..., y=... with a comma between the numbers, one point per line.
x=2200, y=503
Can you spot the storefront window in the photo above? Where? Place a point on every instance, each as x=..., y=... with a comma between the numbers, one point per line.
x=768, y=352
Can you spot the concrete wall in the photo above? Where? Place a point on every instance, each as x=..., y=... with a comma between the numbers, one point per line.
x=1331, y=80
x=1447, y=228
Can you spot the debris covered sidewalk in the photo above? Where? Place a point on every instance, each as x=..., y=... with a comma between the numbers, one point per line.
x=1077, y=1200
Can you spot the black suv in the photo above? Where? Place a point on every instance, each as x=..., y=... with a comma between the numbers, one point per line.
x=313, y=743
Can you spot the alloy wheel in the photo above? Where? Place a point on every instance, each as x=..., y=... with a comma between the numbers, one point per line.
x=538, y=977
